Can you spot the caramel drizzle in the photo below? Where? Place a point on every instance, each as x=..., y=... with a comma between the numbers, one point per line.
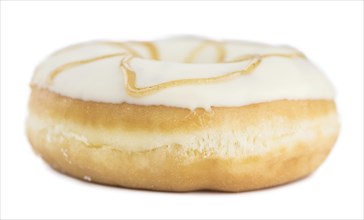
x=133, y=90
x=148, y=45
x=246, y=57
x=130, y=75
x=122, y=46
x=71, y=65
x=153, y=51
x=207, y=43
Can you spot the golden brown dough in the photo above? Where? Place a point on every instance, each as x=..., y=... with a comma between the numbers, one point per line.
x=175, y=149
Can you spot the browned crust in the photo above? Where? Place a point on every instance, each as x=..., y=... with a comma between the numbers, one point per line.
x=161, y=168
x=175, y=167
x=169, y=119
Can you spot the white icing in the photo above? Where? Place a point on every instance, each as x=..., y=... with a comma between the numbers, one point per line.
x=276, y=78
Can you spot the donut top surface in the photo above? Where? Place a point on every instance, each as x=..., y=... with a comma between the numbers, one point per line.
x=182, y=72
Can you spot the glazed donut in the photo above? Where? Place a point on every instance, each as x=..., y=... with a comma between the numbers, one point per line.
x=182, y=114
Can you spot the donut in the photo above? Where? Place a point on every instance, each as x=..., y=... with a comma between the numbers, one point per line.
x=182, y=114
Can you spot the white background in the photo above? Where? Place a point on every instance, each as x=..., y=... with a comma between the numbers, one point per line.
x=329, y=33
